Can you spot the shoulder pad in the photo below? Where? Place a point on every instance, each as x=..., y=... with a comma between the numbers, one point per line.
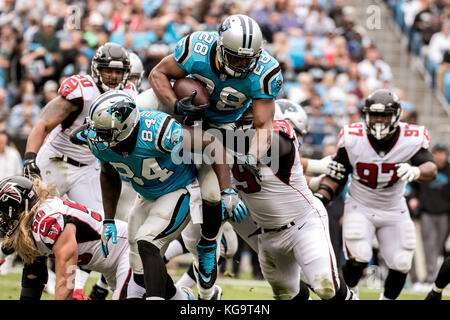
x=284, y=128
x=67, y=87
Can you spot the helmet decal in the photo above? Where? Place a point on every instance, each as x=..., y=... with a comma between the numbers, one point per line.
x=10, y=191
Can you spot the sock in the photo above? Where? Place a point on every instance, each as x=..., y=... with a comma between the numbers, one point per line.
x=80, y=279
x=174, y=249
x=155, y=272
x=352, y=271
x=393, y=284
x=443, y=277
x=186, y=281
x=212, y=220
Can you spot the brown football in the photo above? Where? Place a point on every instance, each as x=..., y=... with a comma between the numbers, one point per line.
x=184, y=86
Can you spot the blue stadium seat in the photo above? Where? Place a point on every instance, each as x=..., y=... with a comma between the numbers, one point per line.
x=447, y=85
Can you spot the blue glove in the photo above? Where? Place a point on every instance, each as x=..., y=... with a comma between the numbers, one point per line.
x=109, y=231
x=232, y=206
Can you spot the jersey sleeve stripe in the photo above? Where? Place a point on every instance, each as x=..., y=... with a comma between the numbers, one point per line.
x=267, y=77
x=162, y=133
x=186, y=52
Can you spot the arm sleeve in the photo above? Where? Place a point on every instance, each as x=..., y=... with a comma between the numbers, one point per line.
x=422, y=156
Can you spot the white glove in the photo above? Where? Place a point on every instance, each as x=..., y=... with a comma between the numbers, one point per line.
x=318, y=166
x=314, y=182
x=336, y=170
x=407, y=172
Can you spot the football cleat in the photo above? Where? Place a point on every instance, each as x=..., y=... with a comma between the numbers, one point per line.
x=217, y=293
x=98, y=293
x=189, y=293
x=207, y=265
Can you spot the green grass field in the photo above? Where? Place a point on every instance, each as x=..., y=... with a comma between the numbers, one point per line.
x=243, y=288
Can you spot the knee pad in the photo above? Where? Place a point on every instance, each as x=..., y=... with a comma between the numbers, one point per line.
x=34, y=278
x=402, y=261
x=324, y=288
x=209, y=184
x=354, y=232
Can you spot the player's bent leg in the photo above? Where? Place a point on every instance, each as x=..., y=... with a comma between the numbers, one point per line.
x=281, y=270
x=167, y=217
x=314, y=253
x=34, y=278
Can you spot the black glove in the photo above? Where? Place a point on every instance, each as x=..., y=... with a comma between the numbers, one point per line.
x=185, y=107
x=30, y=168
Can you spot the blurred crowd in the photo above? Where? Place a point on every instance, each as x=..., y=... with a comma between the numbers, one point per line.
x=329, y=63
x=426, y=25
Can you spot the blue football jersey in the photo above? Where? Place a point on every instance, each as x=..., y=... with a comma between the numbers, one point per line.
x=229, y=97
x=150, y=167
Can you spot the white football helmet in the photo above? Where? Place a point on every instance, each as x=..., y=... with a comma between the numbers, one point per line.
x=136, y=68
x=293, y=113
x=112, y=118
x=239, y=45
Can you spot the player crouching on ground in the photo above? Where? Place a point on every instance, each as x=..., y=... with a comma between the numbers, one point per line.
x=40, y=223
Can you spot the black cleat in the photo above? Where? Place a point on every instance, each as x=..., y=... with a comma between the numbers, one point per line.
x=433, y=295
x=98, y=293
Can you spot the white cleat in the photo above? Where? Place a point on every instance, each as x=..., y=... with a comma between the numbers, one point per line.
x=189, y=293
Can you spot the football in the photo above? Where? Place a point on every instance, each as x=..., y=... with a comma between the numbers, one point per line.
x=184, y=86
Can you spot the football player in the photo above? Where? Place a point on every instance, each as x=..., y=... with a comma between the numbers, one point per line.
x=236, y=71
x=291, y=224
x=72, y=168
x=142, y=146
x=136, y=70
x=442, y=280
x=382, y=155
x=40, y=223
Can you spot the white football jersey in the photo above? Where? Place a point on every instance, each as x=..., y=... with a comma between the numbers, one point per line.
x=55, y=213
x=81, y=90
x=374, y=181
x=280, y=197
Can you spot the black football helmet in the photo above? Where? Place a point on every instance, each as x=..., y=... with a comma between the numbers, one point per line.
x=110, y=55
x=381, y=113
x=17, y=194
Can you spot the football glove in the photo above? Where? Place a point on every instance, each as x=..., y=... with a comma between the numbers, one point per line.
x=407, y=172
x=185, y=107
x=78, y=294
x=30, y=168
x=232, y=206
x=335, y=170
x=315, y=182
x=109, y=232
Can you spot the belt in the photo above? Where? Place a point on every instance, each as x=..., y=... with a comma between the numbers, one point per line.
x=69, y=161
x=265, y=230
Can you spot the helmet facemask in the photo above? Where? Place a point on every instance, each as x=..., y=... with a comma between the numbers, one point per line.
x=381, y=129
x=110, y=56
x=238, y=65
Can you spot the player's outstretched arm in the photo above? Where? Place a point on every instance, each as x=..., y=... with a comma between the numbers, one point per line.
x=54, y=113
x=111, y=187
x=160, y=77
x=263, y=111
x=66, y=256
